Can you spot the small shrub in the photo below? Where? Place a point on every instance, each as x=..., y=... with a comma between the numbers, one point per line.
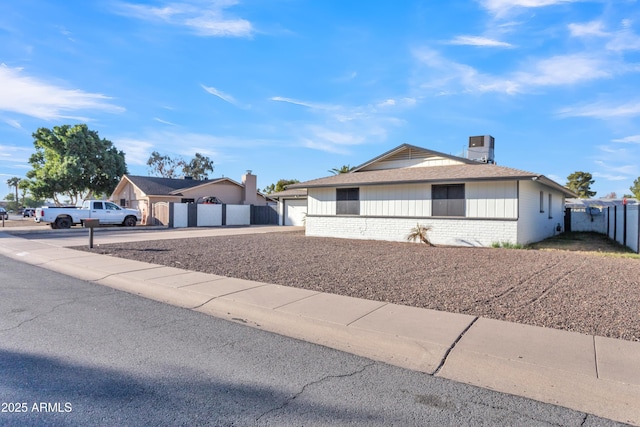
x=507, y=245
x=419, y=232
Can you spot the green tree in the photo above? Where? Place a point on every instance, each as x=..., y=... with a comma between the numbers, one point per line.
x=167, y=166
x=279, y=186
x=73, y=161
x=580, y=183
x=24, y=189
x=635, y=188
x=14, y=182
x=164, y=166
x=343, y=169
x=198, y=167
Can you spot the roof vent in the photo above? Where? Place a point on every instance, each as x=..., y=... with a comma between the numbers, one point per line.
x=481, y=149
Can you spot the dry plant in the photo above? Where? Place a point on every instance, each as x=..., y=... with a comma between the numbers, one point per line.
x=419, y=232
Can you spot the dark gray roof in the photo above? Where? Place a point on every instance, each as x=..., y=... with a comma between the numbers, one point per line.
x=153, y=185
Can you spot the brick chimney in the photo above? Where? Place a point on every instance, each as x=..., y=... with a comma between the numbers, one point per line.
x=250, y=190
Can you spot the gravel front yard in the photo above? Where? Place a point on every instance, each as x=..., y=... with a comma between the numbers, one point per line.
x=573, y=291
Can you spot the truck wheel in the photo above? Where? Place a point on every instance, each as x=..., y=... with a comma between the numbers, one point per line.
x=63, y=223
x=130, y=221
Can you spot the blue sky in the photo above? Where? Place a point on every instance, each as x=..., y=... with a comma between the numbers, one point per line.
x=293, y=88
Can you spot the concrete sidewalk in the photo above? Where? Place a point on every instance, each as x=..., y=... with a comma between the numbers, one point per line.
x=592, y=374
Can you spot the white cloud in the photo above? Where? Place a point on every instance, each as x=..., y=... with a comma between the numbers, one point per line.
x=593, y=28
x=478, y=41
x=634, y=139
x=203, y=18
x=565, y=70
x=344, y=126
x=15, y=154
x=451, y=77
x=137, y=151
x=500, y=8
x=336, y=138
x=13, y=123
x=33, y=97
x=602, y=110
x=610, y=177
x=624, y=40
x=225, y=97
x=164, y=122
x=311, y=105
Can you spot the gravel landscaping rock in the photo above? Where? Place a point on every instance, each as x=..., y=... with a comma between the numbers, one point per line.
x=578, y=292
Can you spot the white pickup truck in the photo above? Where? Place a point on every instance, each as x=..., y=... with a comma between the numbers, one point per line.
x=106, y=212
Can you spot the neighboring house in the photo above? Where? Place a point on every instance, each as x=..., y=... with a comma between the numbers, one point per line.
x=292, y=206
x=141, y=192
x=467, y=201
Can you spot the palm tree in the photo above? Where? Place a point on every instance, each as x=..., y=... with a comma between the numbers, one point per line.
x=14, y=182
x=343, y=169
x=419, y=232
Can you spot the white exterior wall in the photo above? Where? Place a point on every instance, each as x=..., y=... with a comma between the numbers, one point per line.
x=411, y=163
x=458, y=232
x=180, y=215
x=492, y=200
x=321, y=201
x=209, y=215
x=388, y=212
x=393, y=200
x=238, y=214
x=534, y=225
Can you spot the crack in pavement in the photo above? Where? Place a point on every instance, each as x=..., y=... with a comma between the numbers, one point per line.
x=450, y=349
x=304, y=387
x=52, y=309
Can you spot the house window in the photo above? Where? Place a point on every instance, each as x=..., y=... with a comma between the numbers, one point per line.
x=541, y=201
x=550, y=216
x=348, y=201
x=123, y=203
x=448, y=200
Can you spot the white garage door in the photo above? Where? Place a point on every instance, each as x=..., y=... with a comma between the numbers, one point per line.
x=294, y=212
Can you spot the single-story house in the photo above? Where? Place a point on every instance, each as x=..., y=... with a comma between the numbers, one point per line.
x=292, y=206
x=466, y=201
x=141, y=192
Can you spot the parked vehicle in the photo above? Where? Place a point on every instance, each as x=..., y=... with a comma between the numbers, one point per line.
x=28, y=212
x=210, y=200
x=3, y=214
x=106, y=212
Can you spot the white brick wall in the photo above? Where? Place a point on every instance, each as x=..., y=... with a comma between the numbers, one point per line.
x=458, y=232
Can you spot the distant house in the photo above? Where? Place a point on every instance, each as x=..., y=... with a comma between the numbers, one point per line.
x=141, y=192
x=467, y=201
x=292, y=206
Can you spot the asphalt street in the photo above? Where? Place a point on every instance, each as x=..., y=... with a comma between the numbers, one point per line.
x=76, y=353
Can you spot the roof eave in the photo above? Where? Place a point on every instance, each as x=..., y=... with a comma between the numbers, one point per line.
x=418, y=181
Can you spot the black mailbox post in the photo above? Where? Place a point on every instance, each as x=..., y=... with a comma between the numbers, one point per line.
x=91, y=223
